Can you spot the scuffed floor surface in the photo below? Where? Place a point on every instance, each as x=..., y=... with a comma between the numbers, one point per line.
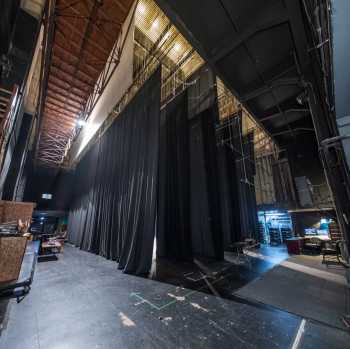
x=83, y=301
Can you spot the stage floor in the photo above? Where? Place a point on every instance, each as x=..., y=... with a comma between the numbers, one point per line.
x=83, y=301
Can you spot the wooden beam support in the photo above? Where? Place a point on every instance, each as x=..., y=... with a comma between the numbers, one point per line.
x=68, y=75
x=93, y=57
x=62, y=100
x=55, y=83
x=71, y=27
x=65, y=114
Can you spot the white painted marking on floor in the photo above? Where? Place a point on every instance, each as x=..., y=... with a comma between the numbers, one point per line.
x=178, y=298
x=299, y=334
x=127, y=322
x=212, y=288
x=166, y=320
x=197, y=306
x=144, y=300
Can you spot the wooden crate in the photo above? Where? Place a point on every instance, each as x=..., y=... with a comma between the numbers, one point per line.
x=11, y=255
x=12, y=211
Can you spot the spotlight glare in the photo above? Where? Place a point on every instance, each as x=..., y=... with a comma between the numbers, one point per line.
x=141, y=8
x=81, y=122
x=155, y=24
x=177, y=47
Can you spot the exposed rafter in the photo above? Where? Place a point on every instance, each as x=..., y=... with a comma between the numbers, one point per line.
x=83, y=38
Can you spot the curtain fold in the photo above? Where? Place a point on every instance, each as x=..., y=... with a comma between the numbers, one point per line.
x=114, y=209
x=206, y=223
x=243, y=161
x=174, y=230
x=245, y=167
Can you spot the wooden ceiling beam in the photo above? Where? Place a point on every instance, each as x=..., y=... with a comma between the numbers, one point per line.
x=92, y=42
x=57, y=129
x=58, y=62
x=64, y=126
x=4, y=99
x=54, y=117
x=57, y=84
x=92, y=19
x=5, y=91
x=69, y=75
x=51, y=124
x=121, y=6
x=63, y=100
x=107, y=18
x=53, y=107
x=85, y=61
x=69, y=84
x=53, y=102
x=88, y=68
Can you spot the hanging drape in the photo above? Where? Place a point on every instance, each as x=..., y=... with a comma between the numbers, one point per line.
x=174, y=228
x=237, y=187
x=230, y=207
x=189, y=217
x=240, y=166
x=81, y=212
x=114, y=206
x=245, y=168
x=206, y=225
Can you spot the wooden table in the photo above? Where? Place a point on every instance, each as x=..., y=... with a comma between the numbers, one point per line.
x=50, y=248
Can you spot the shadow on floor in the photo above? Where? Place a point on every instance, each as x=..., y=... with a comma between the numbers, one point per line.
x=84, y=301
x=219, y=278
x=3, y=313
x=304, y=286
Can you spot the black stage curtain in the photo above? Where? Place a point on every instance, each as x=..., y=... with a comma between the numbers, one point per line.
x=17, y=158
x=62, y=190
x=239, y=211
x=245, y=168
x=230, y=207
x=189, y=217
x=174, y=228
x=114, y=209
x=207, y=235
x=81, y=212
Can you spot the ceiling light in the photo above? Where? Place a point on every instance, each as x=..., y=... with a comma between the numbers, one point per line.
x=155, y=24
x=141, y=8
x=81, y=122
x=177, y=47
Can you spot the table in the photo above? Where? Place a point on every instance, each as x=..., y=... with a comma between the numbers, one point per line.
x=50, y=248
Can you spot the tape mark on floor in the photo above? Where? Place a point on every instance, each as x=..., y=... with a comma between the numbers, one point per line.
x=152, y=305
x=299, y=334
